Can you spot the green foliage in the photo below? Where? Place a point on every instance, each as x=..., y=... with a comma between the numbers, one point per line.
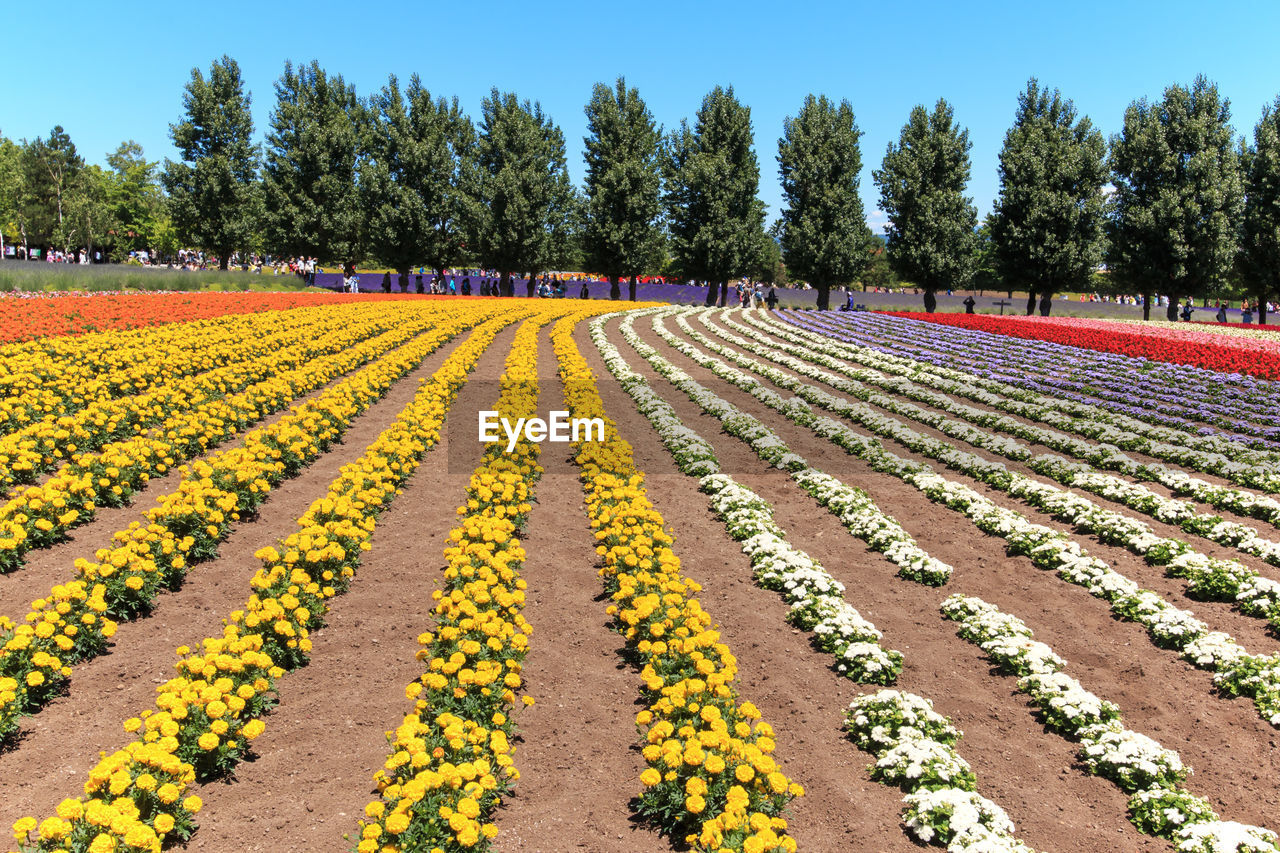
x=621, y=232
x=1047, y=227
x=712, y=178
x=309, y=176
x=12, y=190
x=1260, y=245
x=931, y=222
x=50, y=169
x=137, y=204
x=1179, y=194
x=825, y=237
x=89, y=214
x=214, y=197
x=418, y=155
x=524, y=189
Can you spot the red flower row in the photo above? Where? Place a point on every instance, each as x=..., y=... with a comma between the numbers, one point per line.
x=1118, y=338
x=25, y=318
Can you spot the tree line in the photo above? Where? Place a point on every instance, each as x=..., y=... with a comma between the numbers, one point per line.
x=1173, y=204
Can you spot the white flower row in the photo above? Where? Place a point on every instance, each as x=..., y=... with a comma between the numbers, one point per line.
x=856, y=510
x=1211, y=453
x=1152, y=422
x=1072, y=474
x=816, y=599
x=1224, y=580
x=1151, y=774
x=1246, y=674
x=882, y=734
x=914, y=747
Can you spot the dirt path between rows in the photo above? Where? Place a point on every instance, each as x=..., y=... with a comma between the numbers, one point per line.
x=45, y=567
x=59, y=745
x=578, y=764
x=1112, y=658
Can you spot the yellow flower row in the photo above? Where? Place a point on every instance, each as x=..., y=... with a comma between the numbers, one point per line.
x=39, y=516
x=712, y=781
x=450, y=761
x=59, y=376
x=205, y=718
x=76, y=619
x=41, y=446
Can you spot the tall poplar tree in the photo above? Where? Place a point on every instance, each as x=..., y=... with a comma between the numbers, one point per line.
x=1260, y=246
x=825, y=240
x=309, y=175
x=931, y=233
x=712, y=178
x=622, y=235
x=214, y=197
x=413, y=178
x=1048, y=222
x=1179, y=194
x=523, y=184
x=52, y=169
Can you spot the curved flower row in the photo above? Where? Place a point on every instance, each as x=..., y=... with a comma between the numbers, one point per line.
x=206, y=717
x=39, y=516
x=1068, y=473
x=853, y=507
x=1236, y=671
x=1207, y=354
x=42, y=446
x=74, y=621
x=25, y=319
x=1240, y=408
x=1159, y=805
x=915, y=750
x=1051, y=403
x=711, y=781
x=817, y=600
x=1223, y=580
x=939, y=784
x=1245, y=467
x=60, y=376
x=450, y=762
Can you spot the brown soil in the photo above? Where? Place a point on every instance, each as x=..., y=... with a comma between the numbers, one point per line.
x=45, y=567
x=1112, y=658
x=59, y=745
x=577, y=745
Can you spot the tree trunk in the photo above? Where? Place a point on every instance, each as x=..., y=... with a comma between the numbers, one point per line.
x=1261, y=297
x=1146, y=305
x=711, y=294
x=1171, y=312
x=1031, y=302
x=631, y=288
x=824, y=297
x=615, y=292
x=724, y=293
x=224, y=258
x=1046, y=303
x=505, y=287
x=403, y=280
x=930, y=301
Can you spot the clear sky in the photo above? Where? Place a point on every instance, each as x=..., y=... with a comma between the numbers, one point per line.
x=111, y=72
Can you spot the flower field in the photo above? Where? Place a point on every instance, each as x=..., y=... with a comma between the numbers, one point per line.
x=826, y=582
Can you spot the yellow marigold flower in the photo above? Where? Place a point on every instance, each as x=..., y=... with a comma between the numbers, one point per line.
x=70, y=809
x=650, y=777
x=397, y=823
x=695, y=804
x=164, y=823
x=23, y=826
x=744, y=773
x=208, y=741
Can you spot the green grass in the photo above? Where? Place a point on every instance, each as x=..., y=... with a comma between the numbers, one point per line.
x=34, y=276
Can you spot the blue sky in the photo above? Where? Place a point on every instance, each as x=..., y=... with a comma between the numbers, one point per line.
x=110, y=72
